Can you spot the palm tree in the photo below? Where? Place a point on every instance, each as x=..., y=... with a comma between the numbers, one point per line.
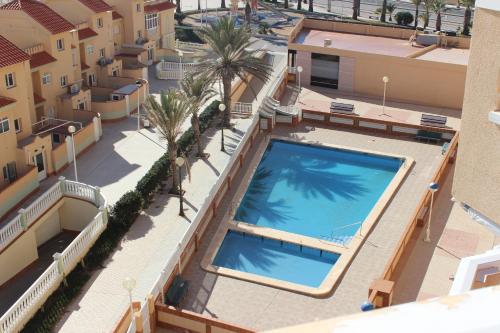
x=468, y=14
x=427, y=14
x=222, y=3
x=311, y=9
x=391, y=7
x=234, y=58
x=384, y=11
x=168, y=117
x=356, y=5
x=286, y=3
x=198, y=89
x=299, y=4
x=438, y=6
x=417, y=4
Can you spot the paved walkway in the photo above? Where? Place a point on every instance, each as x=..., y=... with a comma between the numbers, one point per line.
x=146, y=248
x=430, y=266
x=261, y=307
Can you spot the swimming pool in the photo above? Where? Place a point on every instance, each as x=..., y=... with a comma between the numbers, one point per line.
x=315, y=191
x=275, y=259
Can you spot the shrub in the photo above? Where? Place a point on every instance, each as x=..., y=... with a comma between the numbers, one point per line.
x=187, y=35
x=158, y=173
x=404, y=18
x=126, y=210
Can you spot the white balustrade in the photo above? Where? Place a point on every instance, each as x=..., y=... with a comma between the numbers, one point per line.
x=27, y=305
x=242, y=108
x=189, y=45
x=167, y=70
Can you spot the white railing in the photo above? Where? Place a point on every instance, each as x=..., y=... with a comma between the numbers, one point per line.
x=166, y=70
x=269, y=89
x=188, y=45
x=27, y=305
x=292, y=70
x=34, y=49
x=242, y=108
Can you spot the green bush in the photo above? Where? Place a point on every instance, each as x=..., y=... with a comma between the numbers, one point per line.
x=126, y=210
x=404, y=18
x=158, y=173
x=187, y=35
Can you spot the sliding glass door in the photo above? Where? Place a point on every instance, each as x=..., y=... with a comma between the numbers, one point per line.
x=325, y=70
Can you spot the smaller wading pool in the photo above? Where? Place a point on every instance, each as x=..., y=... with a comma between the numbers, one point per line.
x=275, y=259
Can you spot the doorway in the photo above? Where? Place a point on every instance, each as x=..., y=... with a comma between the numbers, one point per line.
x=39, y=161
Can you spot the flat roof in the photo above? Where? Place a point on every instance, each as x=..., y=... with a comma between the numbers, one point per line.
x=358, y=43
x=447, y=55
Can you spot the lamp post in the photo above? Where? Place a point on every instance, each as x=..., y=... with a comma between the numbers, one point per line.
x=138, y=83
x=299, y=70
x=179, y=161
x=385, y=79
x=72, y=130
x=222, y=108
x=129, y=285
x=433, y=187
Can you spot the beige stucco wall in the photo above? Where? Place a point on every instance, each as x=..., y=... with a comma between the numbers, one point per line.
x=411, y=80
x=23, y=251
x=133, y=20
x=477, y=175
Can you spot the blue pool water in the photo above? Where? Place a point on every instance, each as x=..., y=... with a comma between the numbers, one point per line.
x=274, y=259
x=315, y=191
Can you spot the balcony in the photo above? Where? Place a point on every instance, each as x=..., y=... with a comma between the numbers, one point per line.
x=34, y=232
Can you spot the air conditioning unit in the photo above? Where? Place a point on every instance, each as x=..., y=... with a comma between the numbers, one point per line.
x=117, y=97
x=74, y=89
x=327, y=42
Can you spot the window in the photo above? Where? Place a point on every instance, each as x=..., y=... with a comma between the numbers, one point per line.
x=115, y=72
x=90, y=49
x=60, y=44
x=18, y=125
x=10, y=80
x=46, y=79
x=325, y=70
x=102, y=53
x=92, y=80
x=139, y=34
x=100, y=23
x=9, y=172
x=4, y=125
x=116, y=29
x=64, y=81
x=151, y=21
x=138, y=7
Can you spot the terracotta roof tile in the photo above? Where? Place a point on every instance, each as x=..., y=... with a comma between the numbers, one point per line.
x=116, y=15
x=4, y=101
x=41, y=13
x=159, y=7
x=86, y=33
x=97, y=6
x=11, y=54
x=40, y=59
x=38, y=99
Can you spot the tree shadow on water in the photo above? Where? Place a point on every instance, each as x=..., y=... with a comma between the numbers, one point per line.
x=255, y=206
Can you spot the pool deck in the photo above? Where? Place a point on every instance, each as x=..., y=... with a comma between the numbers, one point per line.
x=430, y=267
x=319, y=99
x=261, y=307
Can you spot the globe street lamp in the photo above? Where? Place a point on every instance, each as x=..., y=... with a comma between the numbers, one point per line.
x=72, y=130
x=385, y=79
x=129, y=285
x=299, y=70
x=138, y=83
x=222, y=108
x=433, y=187
x=179, y=161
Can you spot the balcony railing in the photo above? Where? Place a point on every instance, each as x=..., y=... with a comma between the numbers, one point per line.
x=26, y=306
x=34, y=49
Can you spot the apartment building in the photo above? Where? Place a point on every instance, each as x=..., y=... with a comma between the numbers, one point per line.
x=477, y=176
x=144, y=30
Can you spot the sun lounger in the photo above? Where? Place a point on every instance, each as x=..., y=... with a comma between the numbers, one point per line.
x=432, y=120
x=342, y=108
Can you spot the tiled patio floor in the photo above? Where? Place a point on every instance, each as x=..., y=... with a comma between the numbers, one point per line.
x=319, y=99
x=430, y=267
x=261, y=307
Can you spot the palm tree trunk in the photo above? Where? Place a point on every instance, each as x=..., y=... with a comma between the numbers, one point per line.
x=222, y=3
x=384, y=10
x=355, y=9
x=311, y=6
x=226, y=83
x=416, y=16
x=248, y=14
x=286, y=3
x=178, y=6
x=299, y=5
x=172, y=154
x=199, y=5
x=195, y=122
x=467, y=18
x=438, y=21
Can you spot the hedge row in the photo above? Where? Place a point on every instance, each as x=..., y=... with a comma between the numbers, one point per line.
x=121, y=217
